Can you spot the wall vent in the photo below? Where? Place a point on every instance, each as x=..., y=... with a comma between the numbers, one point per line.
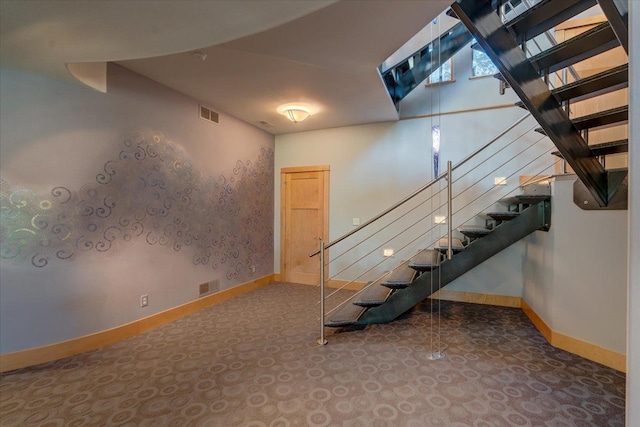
x=209, y=115
x=208, y=287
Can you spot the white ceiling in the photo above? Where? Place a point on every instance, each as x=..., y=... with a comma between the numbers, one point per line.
x=260, y=54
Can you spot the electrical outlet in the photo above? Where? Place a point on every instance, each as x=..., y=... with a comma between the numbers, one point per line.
x=440, y=219
x=387, y=252
x=252, y=268
x=144, y=300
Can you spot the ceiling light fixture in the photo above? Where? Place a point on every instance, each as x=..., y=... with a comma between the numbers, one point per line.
x=296, y=115
x=295, y=112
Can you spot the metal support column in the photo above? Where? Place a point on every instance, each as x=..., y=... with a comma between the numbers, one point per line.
x=322, y=340
x=449, y=212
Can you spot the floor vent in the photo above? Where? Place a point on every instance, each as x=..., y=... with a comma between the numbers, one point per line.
x=209, y=115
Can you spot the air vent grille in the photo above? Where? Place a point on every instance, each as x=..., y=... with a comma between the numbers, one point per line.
x=209, y=287
x=209, y=115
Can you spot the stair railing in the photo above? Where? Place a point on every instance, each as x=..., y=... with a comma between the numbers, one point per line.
x=445, y=176
x=423, y=188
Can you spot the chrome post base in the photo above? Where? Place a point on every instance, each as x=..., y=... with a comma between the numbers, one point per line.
x=435, y=356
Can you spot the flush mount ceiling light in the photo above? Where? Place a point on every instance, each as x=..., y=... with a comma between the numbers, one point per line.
x=296, y=113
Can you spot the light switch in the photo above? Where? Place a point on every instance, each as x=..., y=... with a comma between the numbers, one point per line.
x=439, y=219
x=387, y=252
x=356, y=221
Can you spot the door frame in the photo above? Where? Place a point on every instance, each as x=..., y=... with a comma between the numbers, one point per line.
x=325, y=214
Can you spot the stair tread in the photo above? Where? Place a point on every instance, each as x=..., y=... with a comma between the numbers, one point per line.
x=599, y=119
x=346, y=315
x=503, y=216
x=425, y=260
x=456, y=245
x=525, y=199
x=585, y=45
x=375, y=294
x=606, y=148
x=529, y=199
x=602, y=118
x=473, y=231
x=544, y=16
x=594, y=85
x=400, y=277
x=511, y=200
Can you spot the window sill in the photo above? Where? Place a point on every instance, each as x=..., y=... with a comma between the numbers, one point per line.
x=480, y=77
x=440, y=83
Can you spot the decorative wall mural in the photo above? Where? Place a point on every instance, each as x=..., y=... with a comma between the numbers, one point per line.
x=150, y=192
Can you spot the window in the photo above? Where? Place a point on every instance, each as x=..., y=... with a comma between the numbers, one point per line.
x=481, y=64
x=444, y=73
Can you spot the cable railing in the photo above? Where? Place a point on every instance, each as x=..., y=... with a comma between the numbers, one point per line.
x=450, y=200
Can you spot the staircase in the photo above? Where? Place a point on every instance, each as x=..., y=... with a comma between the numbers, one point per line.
x=506, y=44
x=530, y=75
x=397, y=291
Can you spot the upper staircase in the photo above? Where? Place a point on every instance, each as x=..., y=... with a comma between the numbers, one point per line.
x=530, y=75
x=504, y=39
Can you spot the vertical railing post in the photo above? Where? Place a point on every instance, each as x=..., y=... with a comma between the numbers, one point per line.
x=322, y=340
x=449, y=213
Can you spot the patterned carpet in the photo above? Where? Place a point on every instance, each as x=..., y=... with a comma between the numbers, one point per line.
x=254, y=361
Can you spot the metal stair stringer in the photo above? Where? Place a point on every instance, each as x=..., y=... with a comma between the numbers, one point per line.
x=405, y=76
x=617, y=13
x=499, y=44
x=535, y=217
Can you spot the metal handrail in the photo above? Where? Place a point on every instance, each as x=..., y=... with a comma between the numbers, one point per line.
x=421, y=189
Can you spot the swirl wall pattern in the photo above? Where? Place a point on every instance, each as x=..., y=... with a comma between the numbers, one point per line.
x=152, y=193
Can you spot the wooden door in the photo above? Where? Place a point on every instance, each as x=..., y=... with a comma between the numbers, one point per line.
x=304, y=220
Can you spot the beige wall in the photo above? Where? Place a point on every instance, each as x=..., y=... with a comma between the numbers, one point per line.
x=575, y=275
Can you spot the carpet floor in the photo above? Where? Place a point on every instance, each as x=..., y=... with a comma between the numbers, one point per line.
x=253, y=361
